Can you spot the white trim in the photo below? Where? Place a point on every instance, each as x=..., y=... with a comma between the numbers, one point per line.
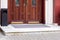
x=10, y=28
x=49, y=11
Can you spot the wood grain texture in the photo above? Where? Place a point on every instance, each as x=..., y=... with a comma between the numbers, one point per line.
x=57, y=11
x=9, y=10
x=26, y=11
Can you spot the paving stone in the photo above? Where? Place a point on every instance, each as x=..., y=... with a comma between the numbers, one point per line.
x=32, y=36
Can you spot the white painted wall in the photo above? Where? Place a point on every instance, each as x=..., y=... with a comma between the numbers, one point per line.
x=48, y=10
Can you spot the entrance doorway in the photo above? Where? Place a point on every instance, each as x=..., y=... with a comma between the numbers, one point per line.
x=26, y=10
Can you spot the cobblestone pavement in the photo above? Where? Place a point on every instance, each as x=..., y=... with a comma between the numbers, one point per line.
x=33, y=36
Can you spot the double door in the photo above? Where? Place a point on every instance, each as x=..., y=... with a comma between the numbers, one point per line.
x=25, y=10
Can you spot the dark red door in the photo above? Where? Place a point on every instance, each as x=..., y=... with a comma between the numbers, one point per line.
x=57, y=11
x=25, y=10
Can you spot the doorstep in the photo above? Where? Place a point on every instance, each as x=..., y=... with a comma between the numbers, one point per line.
x=10, y=29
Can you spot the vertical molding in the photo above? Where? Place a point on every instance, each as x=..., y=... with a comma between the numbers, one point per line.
x=48, y=11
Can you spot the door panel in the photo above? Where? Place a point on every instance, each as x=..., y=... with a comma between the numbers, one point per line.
x=33, y=10
x=33, y=6
x=19, y=11
x=10, y=2
x=22, y=10
x=16, y=10
x=28, y=10
x=38, y=9
x=57, y=11
x=25, y=10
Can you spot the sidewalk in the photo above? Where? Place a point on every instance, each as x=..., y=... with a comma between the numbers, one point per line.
x=33, y=36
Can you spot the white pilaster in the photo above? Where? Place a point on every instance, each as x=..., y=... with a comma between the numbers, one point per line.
x=49, y=11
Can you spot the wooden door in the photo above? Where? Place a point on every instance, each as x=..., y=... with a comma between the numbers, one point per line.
x=16, y=11
x=57, y=11
x=33, y=10
x=25, y=10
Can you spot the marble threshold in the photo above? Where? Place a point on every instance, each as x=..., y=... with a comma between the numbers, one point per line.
x=11, y=29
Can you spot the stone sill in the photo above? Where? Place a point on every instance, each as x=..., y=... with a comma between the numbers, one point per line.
x=11, y=29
